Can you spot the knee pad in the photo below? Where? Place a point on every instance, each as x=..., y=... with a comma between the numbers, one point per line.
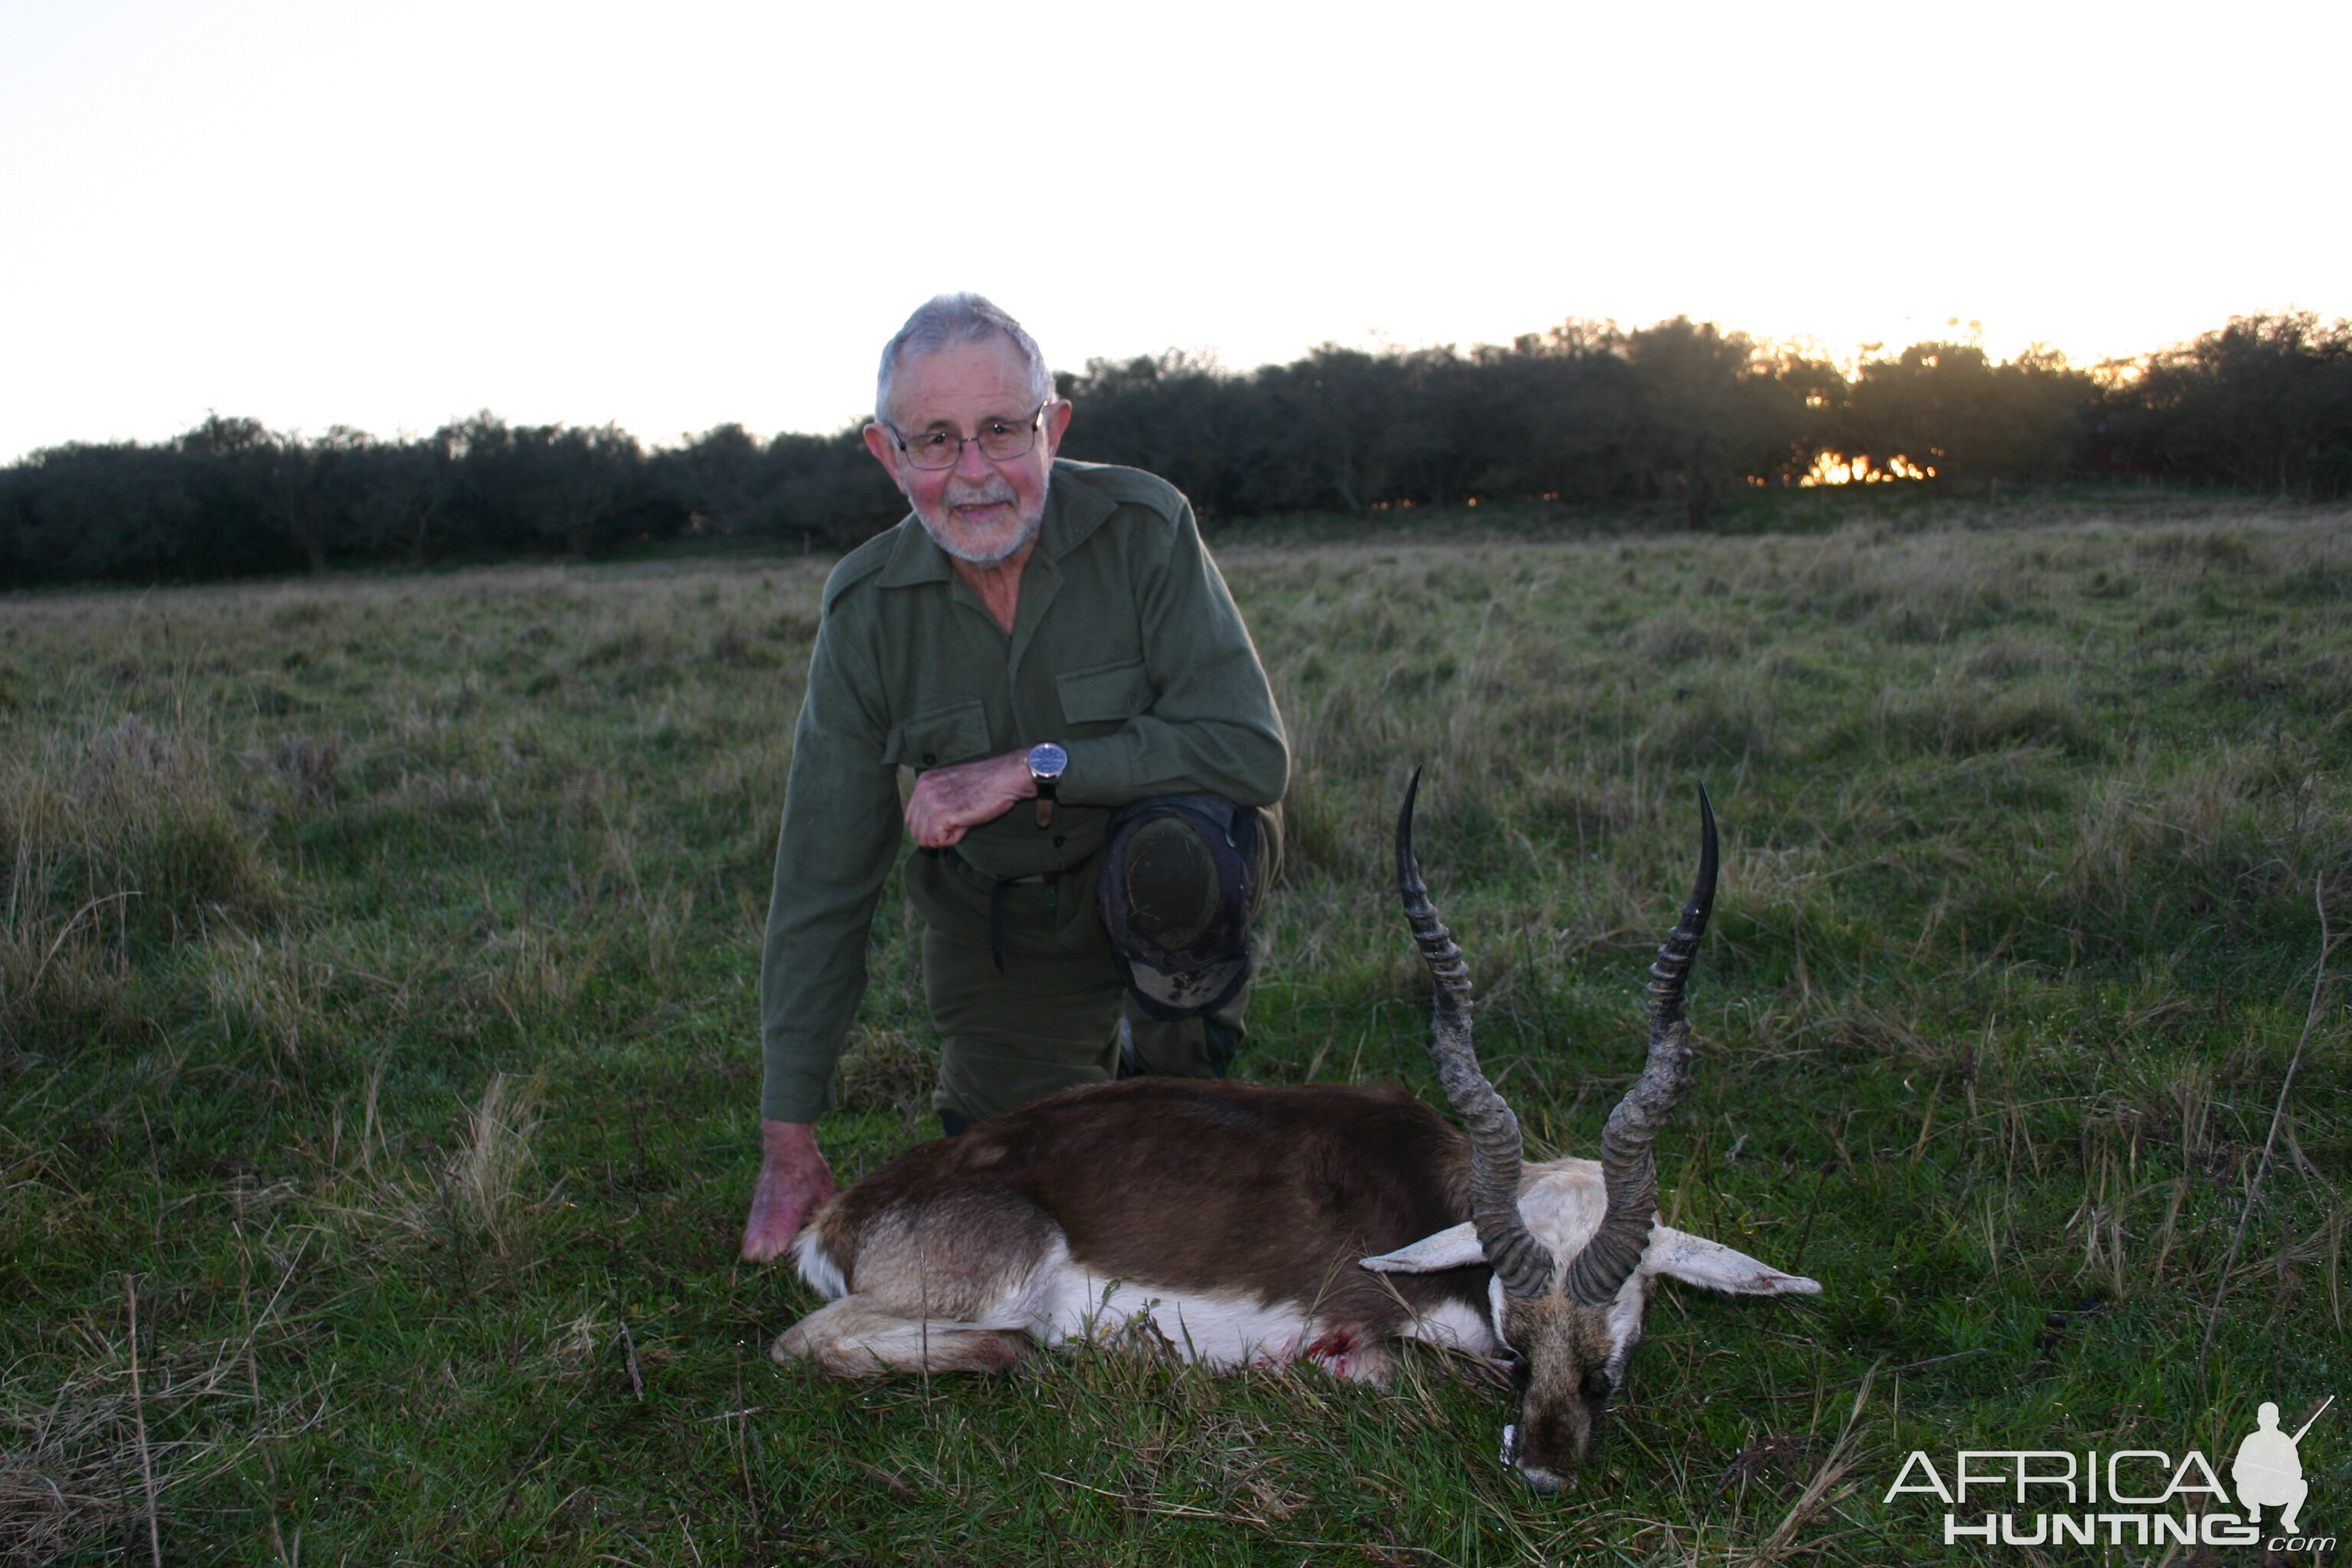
x=1175, y=892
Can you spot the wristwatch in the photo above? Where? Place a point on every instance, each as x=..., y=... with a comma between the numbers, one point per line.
x=1047, y=762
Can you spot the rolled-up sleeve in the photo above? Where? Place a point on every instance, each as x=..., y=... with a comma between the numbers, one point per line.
x=1211, y=725
x=839, y=839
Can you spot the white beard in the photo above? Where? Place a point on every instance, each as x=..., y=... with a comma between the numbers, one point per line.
x=946, y=535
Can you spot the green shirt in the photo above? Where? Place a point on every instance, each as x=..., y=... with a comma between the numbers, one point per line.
x=1127, y=649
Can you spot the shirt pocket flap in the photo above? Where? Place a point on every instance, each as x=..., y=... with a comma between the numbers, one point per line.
x=940, y=738
x=1106, y=694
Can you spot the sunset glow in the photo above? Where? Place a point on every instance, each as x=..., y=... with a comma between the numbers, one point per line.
x=1830, y=469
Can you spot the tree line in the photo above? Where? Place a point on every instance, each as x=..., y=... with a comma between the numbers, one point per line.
x=1680, y=416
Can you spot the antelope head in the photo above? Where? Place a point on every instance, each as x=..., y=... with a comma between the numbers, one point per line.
x=1571, y=1329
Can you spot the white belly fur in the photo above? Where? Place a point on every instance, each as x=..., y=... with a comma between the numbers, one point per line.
x=1219, y=1330
x=1225, y=1331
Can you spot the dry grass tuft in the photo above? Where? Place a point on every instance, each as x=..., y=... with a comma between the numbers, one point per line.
x=485, y=1174
x=127, y=838
x=1674, y=638
x=1823, y=1488
x=274, y=990
x=88, y=1458
x=1969, y=721
x=2223, y=833
x=533, y=971
x=2006, y=658
x=70, y=1474
x=310, y=768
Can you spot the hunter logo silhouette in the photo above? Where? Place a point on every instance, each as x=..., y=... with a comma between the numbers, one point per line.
x=2269, y=1467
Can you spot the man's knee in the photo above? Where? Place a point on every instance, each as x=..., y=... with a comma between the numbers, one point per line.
x=980, y=1080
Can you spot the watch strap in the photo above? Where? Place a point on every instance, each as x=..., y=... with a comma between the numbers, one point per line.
x=1048, y=785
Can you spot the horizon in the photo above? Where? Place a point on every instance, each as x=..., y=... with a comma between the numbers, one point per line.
x=331, y=215
x=1968, y=333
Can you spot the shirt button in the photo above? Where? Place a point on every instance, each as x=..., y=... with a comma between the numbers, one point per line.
x=929, y=758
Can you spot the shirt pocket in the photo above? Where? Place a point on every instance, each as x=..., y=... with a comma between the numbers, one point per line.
x=940, y=738
x=1106, y=694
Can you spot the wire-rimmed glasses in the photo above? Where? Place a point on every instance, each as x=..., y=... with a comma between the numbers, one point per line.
x=1000, y=440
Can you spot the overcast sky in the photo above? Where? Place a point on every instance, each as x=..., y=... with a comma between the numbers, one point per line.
x=670, y=217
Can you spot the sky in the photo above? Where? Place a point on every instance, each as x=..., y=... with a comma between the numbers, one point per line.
x=672, y=217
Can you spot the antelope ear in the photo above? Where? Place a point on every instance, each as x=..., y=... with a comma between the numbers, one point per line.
x=1450, y=1248
x=1695, y=1260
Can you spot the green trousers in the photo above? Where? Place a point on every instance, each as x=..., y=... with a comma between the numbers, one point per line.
x=1051, y=1017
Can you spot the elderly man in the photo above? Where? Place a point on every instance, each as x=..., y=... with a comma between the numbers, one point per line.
x=1096, y=760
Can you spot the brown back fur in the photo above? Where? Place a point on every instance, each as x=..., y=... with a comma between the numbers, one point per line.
x=1185, y=1184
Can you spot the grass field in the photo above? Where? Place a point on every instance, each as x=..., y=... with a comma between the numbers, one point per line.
x=377, y=1090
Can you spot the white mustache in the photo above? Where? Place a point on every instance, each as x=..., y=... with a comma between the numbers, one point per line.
x=993, y=492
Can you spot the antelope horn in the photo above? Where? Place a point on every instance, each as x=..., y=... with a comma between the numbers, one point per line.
x=1517, y=1258
x=1629, y=1175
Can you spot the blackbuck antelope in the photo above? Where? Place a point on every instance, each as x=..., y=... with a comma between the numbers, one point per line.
x=1249, y=1224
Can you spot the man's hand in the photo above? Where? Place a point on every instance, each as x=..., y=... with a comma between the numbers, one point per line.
x=793, y=1179
x=948, y=802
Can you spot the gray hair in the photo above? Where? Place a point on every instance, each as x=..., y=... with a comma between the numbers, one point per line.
x=946, y=320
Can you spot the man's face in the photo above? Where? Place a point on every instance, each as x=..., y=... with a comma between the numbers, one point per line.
x=977, y=510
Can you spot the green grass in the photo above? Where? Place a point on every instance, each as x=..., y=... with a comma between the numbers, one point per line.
x=377, y=984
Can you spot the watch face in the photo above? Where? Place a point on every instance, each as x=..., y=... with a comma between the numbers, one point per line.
x=1047, y=760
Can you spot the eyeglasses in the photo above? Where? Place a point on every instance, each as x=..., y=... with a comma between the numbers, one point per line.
x=1000, y=441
